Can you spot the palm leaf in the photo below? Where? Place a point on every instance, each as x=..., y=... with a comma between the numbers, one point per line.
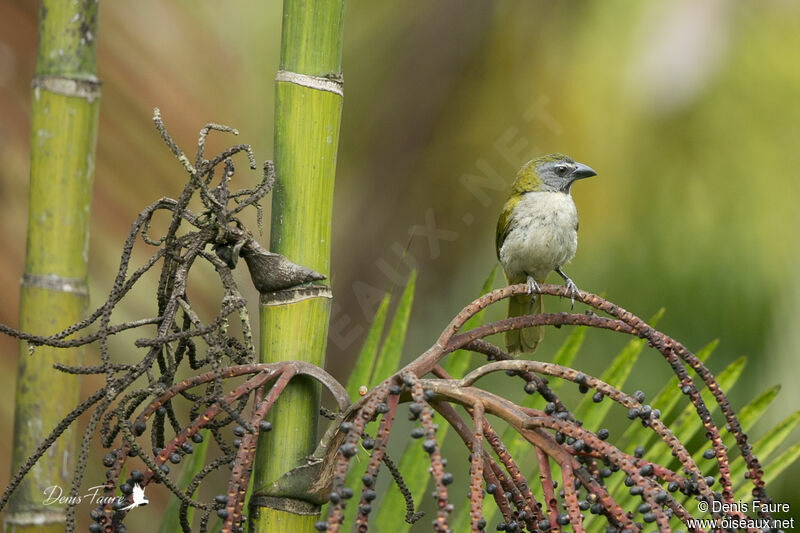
x=389, y=358
x=414, y=462
x=369, y=352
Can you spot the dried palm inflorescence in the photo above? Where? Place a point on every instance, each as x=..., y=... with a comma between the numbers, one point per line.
x=142, y=396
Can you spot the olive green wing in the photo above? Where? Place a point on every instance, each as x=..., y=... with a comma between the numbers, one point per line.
x=504, y=224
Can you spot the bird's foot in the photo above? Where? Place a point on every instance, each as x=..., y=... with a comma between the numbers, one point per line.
x=572, y=289
x=533, y=287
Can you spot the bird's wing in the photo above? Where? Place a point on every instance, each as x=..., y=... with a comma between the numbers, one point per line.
x=505, y=223
x=138, y=494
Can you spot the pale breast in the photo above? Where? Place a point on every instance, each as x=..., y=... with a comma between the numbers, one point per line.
x=543, y=235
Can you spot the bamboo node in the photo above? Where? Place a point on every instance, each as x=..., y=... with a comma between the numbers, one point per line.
x=52, y=282
x=295, y=294
x=289, y=505
x=84, y=87
x=321, y=83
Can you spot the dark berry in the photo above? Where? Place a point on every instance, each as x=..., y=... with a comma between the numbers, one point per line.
x=348, y=449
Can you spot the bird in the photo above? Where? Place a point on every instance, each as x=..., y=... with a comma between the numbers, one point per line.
x=537, y=233
x=138, y=498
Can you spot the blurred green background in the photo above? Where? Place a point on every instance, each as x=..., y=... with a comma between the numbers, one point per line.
x=688, y=111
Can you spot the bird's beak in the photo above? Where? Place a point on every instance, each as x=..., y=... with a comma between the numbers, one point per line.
x=582, y=171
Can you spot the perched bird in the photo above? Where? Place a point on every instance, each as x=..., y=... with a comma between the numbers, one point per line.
x=537, y=233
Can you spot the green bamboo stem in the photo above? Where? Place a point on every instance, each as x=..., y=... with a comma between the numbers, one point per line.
x=308, y=106
x=53, y=293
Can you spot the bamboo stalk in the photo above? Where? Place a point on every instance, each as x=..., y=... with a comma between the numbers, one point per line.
x=53, y=293
x=308, y=106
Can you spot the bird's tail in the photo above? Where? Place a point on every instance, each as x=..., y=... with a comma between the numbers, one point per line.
x=526, y=339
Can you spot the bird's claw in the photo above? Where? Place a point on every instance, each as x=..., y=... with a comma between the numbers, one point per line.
x=572, y=291
x=533, y=287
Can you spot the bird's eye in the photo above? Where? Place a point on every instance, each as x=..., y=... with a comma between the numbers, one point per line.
x=560, y=169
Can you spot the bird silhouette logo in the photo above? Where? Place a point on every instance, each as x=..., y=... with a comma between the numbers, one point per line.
x=138, y=498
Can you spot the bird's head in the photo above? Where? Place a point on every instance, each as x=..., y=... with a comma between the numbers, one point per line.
x=549, y=173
